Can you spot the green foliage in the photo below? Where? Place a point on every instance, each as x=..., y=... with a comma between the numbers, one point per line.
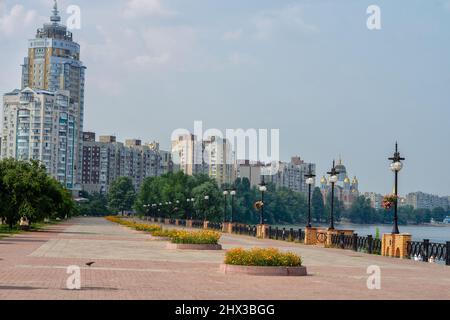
x=121, y=195
x=211, y=208
x=177, y=188
x=196, y=237
x=262, y=257
x=361, y=211
x=96, y=204
x=27, y=191
x=318, y=207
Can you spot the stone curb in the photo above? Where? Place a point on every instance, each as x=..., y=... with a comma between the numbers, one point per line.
x=185, y=246
x=264, y=271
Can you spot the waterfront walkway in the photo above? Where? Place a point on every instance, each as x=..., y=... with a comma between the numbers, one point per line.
x=130, y=266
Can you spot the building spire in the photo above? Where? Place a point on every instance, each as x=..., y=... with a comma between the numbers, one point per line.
x=55, y=18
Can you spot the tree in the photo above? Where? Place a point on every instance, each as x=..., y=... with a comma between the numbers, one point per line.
x=27, y=191
x=361, y=211
x=210, y=210
x=121, y=195
x=318, y=207
x=96, y=204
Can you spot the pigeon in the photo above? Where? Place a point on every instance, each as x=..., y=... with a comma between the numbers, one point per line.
x=90, y=263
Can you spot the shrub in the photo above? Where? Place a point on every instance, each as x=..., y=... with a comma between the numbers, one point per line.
x=262, y=257
x=132, y=224
x=196, y=237
x=147, y=227
x=166, y=233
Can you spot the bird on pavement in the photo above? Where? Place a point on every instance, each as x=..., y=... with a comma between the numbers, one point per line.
x=90, y=263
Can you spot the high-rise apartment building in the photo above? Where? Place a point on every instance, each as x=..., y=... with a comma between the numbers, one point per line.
x=213, y=156
x=41, y=125
x=187, y=154
x=421, y=200
x=106, y=160
x=376, y=199
x=50, y=101
x=292, y=175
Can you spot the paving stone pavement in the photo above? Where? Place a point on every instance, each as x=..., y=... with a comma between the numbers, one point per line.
x=130, y=265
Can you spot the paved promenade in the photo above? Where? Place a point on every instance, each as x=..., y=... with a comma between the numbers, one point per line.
x=128, y=265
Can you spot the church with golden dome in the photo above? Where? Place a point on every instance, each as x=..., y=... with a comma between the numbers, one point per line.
x=346, y=191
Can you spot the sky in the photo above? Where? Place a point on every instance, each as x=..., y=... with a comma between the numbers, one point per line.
x=310, y=68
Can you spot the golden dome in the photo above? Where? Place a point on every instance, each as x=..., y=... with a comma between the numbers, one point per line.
x=346, y=180
x=354, y=181
x=323, y=180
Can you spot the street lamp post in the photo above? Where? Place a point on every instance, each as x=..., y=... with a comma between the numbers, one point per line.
x=262, y=189
x=225, y=194
x=233, y=194
x=309, y=181
x=206, y=206
x=396, y=166
x=333, y=179
x=154, y=210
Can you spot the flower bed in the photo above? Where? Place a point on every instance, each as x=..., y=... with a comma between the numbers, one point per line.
x=137, y=226
x=164, y=233
x=262, y=257
x=196, y=237
x=263, y=262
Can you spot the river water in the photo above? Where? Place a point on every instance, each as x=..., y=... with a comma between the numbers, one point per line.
x=433, y=233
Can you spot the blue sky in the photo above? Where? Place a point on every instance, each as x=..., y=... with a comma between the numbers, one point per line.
x=309, y=68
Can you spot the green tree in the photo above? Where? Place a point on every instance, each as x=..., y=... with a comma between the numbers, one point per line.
x=121, y=195
x=211, y=209
x=361, y=211
x=318, y=206
x=26, y=191
x=95, y=204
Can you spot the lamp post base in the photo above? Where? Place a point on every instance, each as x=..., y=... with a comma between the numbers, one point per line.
x=262, y=231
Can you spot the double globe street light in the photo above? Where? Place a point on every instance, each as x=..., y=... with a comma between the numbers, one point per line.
x=396, y=166
x=333, y=179
x=310, y=182
x=262, y=189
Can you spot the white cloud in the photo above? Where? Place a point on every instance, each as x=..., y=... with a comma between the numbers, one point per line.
x=16, y=19
x=291, y=17
x=135, y=8
x=232, y=35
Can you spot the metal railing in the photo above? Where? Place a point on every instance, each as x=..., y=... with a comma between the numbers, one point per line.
x=429, y=251
x=419, y=251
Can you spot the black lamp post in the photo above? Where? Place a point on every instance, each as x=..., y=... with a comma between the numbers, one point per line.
x=333, y=179
x=225, y=194
x=154, y=210
x=396, y=166
x=233, y=194
x=206, y=207
x=309, y=181
x=263, y=189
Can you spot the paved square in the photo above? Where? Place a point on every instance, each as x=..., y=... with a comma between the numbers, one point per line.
x=129, y=265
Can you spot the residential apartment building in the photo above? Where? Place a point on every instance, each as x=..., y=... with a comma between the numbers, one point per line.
x=42, y=125
x=291, y=175
x=421, y=200
x=46, y=115
x=250, y=170
x=106, y=160
x=376, y=199
x=213, y=156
